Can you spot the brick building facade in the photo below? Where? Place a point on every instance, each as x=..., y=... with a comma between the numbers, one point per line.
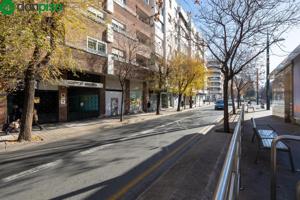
x=95, y=89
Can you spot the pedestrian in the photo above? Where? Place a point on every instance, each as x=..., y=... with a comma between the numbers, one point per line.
x=148, y=106
x=12, y=127
x=35, y=120
x=16, y=114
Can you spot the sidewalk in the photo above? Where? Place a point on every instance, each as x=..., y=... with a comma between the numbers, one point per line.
x=256, y=177
x=195, y=174
x=59, y=131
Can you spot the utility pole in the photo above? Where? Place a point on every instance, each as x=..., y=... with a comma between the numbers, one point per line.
x=268, y=71
x=257, y=87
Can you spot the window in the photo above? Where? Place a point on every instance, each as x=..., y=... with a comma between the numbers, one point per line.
x=117, y=53
x=160, y=25
x=169, y=18
x=96, y=46
x=121, y=1
x=117, y=26
x=96, y=14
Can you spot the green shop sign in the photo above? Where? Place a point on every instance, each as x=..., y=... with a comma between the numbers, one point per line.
x=8, y=7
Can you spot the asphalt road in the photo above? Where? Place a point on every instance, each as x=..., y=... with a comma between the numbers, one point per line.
x=107, y=164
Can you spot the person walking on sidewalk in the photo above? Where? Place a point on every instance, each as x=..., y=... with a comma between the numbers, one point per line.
x=35, y=120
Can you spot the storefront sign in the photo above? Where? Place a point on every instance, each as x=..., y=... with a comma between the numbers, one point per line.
x=72, y=83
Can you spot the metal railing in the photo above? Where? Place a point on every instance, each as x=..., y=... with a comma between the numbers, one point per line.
x=228, y=186
x=274, y=160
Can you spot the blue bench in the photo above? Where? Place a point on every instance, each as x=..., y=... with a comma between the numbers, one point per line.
x=265, y=138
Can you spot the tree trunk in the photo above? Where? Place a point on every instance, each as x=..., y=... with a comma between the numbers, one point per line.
x=226, y=114
x=122, y=105
x=27, y=114
x=179, y=102
x=184, y=101
x=232, y=97
x=238, y=98
x=191, y=102
x=158, y=102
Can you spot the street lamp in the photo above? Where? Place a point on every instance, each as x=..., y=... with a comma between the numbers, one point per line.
x=268, y=70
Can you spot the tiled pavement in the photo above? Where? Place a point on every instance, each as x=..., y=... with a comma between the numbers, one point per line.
x=256, y=177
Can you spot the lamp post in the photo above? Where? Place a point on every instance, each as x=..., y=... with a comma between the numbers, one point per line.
x=257, y=87
x=268, y=72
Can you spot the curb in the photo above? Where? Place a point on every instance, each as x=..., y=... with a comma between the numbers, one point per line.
x=43, y=137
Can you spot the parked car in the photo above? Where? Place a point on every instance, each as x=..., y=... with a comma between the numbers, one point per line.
x=219, y=105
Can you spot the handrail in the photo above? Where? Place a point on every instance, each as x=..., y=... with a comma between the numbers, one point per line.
x=229, y=182
x=274, y=160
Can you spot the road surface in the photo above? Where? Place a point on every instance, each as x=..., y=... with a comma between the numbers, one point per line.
x=107, y=164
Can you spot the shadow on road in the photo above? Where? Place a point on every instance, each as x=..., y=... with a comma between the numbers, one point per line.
x=109, y=187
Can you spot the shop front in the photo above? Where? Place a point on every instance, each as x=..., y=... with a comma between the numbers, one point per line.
x=45, y=102
x=82, y=96
x=113, y=96
x=136, y=95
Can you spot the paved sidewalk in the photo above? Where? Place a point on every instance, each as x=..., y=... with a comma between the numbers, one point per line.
x=195, y=175
x=256, y=177
x=59, y=131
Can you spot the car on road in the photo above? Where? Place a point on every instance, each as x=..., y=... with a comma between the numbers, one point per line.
x=219, y=105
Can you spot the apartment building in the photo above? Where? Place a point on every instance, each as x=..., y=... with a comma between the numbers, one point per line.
x=100, y=51
x=175, y=31
x=214, y=81
x=95, y=89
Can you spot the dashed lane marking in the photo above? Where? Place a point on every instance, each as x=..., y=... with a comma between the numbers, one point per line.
x=147, y=131
x=31, y=171
x=91, y=150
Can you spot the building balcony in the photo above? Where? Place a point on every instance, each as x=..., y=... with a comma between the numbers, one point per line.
x=146, y=8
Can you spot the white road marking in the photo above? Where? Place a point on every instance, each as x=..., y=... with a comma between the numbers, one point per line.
x=207, y=129
x=146, y=131
x=31, y=171
x=91, y=150
x=125, y=138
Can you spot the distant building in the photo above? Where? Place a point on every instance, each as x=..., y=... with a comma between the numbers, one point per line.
x=285, y=88
x=175, y=31
x=214, y=81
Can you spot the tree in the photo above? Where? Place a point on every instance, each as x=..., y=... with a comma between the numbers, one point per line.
x=242, y=82
x=197, y=84
x=159, y=79
x=183, y=72
x=230, y=27
x=128, y=44
x=232, y=96
x=32, y=48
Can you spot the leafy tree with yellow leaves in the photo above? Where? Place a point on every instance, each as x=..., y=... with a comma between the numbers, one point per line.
x=32, y=48
x=185, y=74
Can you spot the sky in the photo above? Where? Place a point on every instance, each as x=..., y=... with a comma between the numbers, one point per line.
x=277, y=55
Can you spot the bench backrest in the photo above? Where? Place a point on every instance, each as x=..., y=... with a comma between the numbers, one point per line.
x=254, y=126
x=253, y=123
